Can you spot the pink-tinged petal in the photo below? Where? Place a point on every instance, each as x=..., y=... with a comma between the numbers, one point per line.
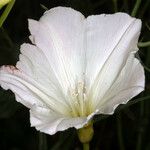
x=28, y=91
x=60, y=36
x=129, y=83
x=110, y=40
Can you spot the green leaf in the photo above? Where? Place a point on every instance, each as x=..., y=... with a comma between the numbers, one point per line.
x=136, y=8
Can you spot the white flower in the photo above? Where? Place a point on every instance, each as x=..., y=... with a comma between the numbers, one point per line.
x=76, y=67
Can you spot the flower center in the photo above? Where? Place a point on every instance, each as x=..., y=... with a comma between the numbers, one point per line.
x=79, y=101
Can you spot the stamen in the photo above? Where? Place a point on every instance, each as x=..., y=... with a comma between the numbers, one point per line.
x=78, y=99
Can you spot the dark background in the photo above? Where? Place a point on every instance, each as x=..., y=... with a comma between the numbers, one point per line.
x=127, y=129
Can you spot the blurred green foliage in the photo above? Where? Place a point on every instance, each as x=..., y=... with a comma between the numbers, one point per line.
x=127, y=129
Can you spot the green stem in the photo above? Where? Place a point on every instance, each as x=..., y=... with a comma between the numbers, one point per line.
x=6, y=12
x=139, y=141
x=85, y=135
x=146, y=4
x=86, y=146
x=44, y=7
x=115, y=5
x=144, y=44
x=148, y=27
x=136, y=7
x=146, y=68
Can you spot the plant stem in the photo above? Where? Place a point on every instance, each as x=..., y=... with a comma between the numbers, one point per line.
x=146, y=68
x=144, y=44
x=85, y=135
x=136, y=7
x=115, y=5
x=148, y=27
x=6, y=12
x=44, y=7
x=144, y=8
x=86, y=146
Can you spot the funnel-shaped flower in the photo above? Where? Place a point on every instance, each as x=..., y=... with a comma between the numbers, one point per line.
x=76, y=67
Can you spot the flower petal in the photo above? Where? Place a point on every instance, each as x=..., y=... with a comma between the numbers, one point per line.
x=33, y=62
x=46, y=113
x=48, y=122
x=129, y=83
x=28, y=91
x=62, y=43
x=111, y=38
x=69, y=48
